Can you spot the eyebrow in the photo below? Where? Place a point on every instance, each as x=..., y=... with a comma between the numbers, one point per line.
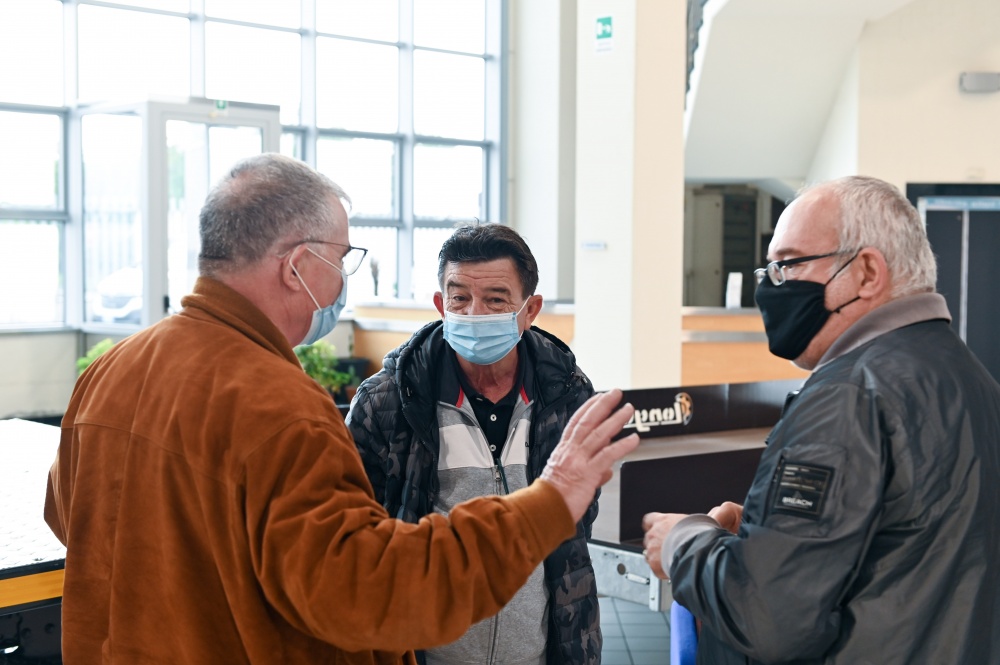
x=489, y=289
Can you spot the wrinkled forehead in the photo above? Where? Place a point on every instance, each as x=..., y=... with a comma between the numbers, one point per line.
x=496, y=276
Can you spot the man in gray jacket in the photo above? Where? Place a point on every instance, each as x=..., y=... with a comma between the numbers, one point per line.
x=473, y=405
x=870, y=532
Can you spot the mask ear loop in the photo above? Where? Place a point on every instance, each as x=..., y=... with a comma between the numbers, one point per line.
x=857, y=297
x=306, y=286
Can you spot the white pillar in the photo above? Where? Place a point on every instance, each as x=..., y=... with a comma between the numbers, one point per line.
x=630, y=191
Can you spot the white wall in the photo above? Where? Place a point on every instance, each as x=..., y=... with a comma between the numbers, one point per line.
x=837, y=154
x=38, y=374
x=629, y=193
x=914, y=125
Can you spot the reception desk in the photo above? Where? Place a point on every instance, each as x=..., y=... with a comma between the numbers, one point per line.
x=700, y=446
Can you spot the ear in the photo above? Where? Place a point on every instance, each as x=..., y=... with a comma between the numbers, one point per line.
x=288, y=274
x=875, y=280
x=533, y=309
x=439, y=303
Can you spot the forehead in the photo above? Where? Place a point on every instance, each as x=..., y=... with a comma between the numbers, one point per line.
x=809, y=225
x=496, y=275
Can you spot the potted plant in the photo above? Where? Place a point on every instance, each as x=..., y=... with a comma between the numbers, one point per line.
x=319, y=360
x=83, y=362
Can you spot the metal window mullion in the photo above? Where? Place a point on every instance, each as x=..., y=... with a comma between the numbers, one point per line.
x=495, y=114
x=32, y=214
x=308, y=81
x=404, y=182
x=347, y=133
x=74, y=232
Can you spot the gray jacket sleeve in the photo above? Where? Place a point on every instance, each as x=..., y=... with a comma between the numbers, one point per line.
x=774, y=590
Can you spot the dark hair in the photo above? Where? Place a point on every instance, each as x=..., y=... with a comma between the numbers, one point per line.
x=487, y=242
x=262, y=200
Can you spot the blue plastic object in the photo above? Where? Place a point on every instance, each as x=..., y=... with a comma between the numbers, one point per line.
x=683, y=636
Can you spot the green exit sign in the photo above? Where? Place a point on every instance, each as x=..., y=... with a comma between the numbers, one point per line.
x=604, y=27
x=603, y=34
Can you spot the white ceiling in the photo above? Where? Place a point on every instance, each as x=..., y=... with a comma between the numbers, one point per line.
x=766, y=76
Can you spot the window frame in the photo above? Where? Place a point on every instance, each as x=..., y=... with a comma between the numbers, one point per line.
x=493, y=207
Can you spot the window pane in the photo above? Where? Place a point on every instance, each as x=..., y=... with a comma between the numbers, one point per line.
x=130, y=55
x=371, y=19
x=198, y=156
x=448, y=95
x=357, y=85
x=254, y=65
x=426, y=247
x=453, y=25
x=291, y=145
x=286, y=13
x=112, y=227
x=447, y=182
x=30, y=160
x=31, y=35
x=365, y=168
x=377, y=276
x=166, y=5
x=31, y=271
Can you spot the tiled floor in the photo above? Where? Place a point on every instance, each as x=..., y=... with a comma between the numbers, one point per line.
x=634, y=634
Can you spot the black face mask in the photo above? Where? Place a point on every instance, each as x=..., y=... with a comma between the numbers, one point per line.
x=794, y=313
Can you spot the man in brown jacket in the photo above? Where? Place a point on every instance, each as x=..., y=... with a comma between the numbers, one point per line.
x=212, y=502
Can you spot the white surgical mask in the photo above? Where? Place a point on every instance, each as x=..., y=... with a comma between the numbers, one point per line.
x=482, y=339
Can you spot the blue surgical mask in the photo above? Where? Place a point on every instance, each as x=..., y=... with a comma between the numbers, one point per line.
x=324, y=319
x=482, y=339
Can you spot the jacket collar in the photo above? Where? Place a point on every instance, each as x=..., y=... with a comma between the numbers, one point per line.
x=210, y=298
x=895, y=314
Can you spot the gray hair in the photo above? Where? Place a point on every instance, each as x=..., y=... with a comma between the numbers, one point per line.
x=264, y=200
x=874, y=213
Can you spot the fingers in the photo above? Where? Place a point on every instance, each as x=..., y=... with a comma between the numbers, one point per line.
x=612, y=452
x=574, y=420
x=652, y=551
x=649, y=519
x=593, y=412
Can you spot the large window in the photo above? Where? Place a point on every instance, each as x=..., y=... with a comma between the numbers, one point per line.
x=398, y=101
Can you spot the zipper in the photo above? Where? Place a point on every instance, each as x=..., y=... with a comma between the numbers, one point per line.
x=500, y=479
x=494, y=636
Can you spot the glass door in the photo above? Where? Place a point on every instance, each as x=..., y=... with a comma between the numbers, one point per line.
x=198, y=155
x=147, y=170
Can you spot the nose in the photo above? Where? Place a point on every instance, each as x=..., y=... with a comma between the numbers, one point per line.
x=478, y=306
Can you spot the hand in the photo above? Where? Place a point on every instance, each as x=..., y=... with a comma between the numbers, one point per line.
x=657, y=526
x=729, y=516
x=582, y=461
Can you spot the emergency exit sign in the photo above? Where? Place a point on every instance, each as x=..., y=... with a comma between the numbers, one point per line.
x=603, y=33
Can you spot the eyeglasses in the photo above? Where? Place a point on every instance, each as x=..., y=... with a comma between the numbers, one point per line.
x=775, y=270
x=352, y=258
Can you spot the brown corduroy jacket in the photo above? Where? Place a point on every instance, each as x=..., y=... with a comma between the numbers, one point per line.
x=215, y=510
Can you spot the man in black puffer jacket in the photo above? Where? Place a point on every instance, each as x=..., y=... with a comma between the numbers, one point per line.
x=473, y=405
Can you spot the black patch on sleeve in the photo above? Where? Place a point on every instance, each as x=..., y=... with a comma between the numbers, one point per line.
x=801, y=489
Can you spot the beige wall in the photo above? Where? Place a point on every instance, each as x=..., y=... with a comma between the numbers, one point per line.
x=630, y=192
x=39, y=370
x=900, y=114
